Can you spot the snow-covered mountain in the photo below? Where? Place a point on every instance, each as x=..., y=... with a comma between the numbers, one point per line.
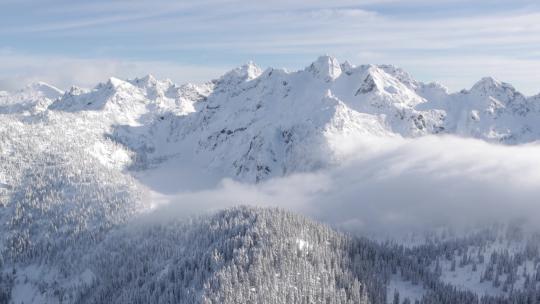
x=252, y=124
x=70, y=205
x=33, y=98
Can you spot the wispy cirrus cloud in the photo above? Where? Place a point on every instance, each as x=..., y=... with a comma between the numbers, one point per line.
x=288, y=33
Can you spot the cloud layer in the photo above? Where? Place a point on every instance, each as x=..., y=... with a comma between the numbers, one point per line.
x=397, y=186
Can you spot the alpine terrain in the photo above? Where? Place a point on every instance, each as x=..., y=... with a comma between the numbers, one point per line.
x=86, y=176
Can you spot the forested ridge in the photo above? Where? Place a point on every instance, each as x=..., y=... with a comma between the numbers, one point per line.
x=255, y=255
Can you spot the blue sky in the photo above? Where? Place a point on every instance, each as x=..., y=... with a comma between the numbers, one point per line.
x=455, y=42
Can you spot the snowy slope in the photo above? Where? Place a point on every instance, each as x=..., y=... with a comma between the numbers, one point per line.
x=33, y=98
x=495, y=111
x=252, y=255
x=252, y=124
x=129, y=102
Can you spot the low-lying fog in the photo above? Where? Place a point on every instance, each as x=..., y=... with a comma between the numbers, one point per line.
x=395, y=185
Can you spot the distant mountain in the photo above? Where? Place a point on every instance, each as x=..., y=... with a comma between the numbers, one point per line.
x=35, y=97
x=253, y=124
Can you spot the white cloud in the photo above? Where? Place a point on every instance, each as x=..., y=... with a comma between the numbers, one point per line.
x=398, y=185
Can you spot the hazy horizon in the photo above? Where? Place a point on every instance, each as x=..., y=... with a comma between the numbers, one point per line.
x=453, y=42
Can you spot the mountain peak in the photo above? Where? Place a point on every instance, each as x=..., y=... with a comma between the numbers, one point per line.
x=43, y=88
x=146, y=81
x=250, y=70
x=115, y=82
x=487, y=82
x=346, y=67
x=325, y=67
x=242, y=73
x=490, y=84
x=75, y=90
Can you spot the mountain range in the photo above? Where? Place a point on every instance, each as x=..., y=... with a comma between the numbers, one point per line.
x=77, y=197
x=253, y=124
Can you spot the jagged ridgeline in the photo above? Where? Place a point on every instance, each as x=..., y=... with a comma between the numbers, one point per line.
x=254, y=125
